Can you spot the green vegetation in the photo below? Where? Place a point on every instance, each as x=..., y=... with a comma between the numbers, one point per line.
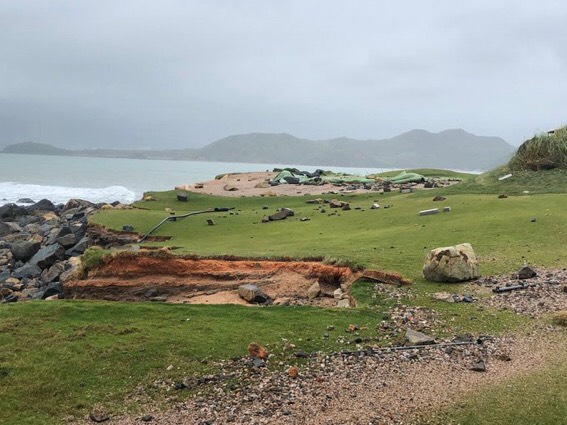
x=88, y=353
x=542, y=152
x=60, y=359
x=396, y=239
x=538, y=398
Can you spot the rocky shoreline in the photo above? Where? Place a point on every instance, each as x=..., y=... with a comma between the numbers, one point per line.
x=40, y=245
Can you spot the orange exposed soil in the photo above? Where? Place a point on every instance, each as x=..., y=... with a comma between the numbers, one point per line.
x=163, y=277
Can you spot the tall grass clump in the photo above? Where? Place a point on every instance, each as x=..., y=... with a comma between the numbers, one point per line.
x=542, y=152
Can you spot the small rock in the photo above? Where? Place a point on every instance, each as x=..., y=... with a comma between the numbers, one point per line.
x=314, y=291
x=293, y=372
x=255, y=350
x=526, y=272
x=147, y=418
x=99, y=417
x=439, y=198
x=479, y=366
x=418, y=338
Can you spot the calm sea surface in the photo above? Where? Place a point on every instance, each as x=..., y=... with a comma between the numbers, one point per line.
x=60, y=178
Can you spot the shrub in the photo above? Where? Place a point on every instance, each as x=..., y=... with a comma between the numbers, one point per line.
x=542, y=152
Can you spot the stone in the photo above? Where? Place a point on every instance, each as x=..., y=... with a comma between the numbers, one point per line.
x=48, y=255
x=502, y=196
x=25, y=201
x=315, y=201
x=375, y=206
x=252, y=293
x=345, y=207
x=444, y=296
x=54, y=288
x=526, y=272
x=439, y=198
x=24, y=250
x=293, y=372
x=406, y=190
x=479, y=366
x=314, y=291
x=43, y=205
x=53, y=273
x=5, y=230
x=281, y=214
x=67, y=241
x=229, y=188
x=28, y=270
x=10, y=211
x=334, y=203
x=98, y=417
x=255, y=350
x=345, y=303
x=417, y=338
x=338, y=294
x=79, y=248
x=182, y=196
x=74, y=270
x=147, y=418
x=210, y=222
x=128, y=228
x=199, y=185
x=446, y=209
x=451, y=264
x=429, y=212
x=304, y=219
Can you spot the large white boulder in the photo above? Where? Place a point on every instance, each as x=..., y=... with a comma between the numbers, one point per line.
x=451, y=264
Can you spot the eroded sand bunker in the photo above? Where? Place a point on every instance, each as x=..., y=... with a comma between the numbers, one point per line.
x=136, y=277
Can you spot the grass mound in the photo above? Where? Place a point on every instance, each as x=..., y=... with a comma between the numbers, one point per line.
x=542, y=152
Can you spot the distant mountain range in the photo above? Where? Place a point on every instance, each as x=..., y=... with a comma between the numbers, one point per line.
x=455, y=149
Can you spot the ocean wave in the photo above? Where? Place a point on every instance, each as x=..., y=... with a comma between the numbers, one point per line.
x=12, y=192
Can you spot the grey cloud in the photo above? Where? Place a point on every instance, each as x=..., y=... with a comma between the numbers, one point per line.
x=184, y=73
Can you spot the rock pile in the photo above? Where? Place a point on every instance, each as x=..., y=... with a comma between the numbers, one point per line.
x=38, y=246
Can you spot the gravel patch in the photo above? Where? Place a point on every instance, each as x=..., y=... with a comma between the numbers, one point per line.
x=361, y=387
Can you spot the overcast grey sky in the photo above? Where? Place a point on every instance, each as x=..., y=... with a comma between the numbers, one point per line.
x=134, y=73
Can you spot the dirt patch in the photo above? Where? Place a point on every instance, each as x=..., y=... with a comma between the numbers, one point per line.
x=164, y=277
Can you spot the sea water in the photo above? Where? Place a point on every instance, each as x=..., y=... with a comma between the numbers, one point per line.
x=60, y=178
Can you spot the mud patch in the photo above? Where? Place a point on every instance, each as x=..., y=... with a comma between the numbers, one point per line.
x=164, y=277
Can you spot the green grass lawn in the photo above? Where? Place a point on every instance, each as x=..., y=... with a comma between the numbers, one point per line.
x=86, y=353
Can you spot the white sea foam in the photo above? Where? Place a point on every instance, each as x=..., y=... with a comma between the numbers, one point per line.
x=12, y=192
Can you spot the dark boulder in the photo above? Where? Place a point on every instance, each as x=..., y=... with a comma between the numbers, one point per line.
x=53, y=273
x=48, y=255
x=67, y=241
x=25, y=201
x=5, y=229
x=182, y=196
x=281, y=214
x=24, y=250
x=43, y=205
x=10, y=211
x=526, y=272
x=79, y=248
x=54, y=288
x=28, y=270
